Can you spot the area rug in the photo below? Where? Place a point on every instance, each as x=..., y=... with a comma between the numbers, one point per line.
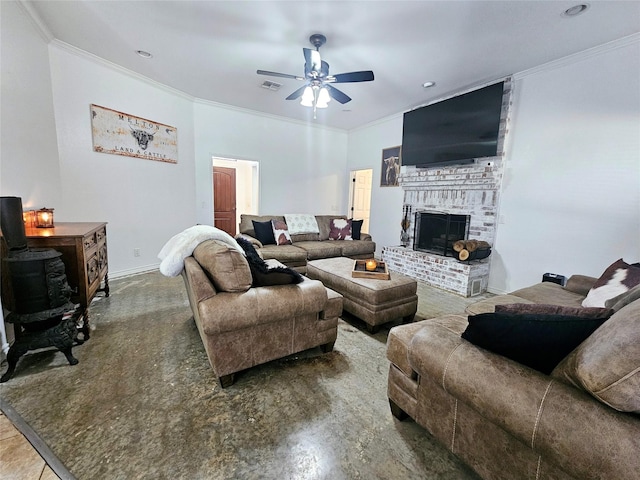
x=143, y=403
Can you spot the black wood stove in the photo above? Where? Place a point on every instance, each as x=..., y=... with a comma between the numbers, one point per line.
x=38, y=295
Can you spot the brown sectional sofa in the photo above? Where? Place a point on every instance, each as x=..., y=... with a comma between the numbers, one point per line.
x=242, y=326
x=305, y=247
x=509, y=421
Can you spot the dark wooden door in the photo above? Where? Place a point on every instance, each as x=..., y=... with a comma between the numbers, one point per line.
x=224, y=199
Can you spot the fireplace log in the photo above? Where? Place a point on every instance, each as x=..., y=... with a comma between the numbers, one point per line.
x=458, y=246
x=471, y=245
x=463, y=254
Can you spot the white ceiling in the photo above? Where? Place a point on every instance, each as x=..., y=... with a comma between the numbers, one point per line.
x=212, y=49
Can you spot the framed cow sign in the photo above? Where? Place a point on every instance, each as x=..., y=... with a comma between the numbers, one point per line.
x=123, y=134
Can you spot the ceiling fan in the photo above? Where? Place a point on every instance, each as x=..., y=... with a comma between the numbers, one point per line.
x=318, y=91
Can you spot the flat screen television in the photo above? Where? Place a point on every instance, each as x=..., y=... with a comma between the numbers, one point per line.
x=457, y=130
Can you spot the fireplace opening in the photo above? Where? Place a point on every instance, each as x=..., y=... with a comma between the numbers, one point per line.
x=436, y=232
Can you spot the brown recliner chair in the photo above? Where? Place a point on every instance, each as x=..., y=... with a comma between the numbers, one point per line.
x=242, y=326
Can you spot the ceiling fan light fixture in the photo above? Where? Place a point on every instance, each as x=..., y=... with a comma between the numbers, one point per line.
x=323, y=98
x=307, y=97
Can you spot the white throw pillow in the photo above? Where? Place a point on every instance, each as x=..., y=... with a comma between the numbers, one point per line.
x=299, y=223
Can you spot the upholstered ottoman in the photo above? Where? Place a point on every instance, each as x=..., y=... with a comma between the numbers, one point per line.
x=372, y=300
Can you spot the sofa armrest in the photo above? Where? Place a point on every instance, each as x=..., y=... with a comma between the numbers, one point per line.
x=229, y=311
x=199, y=286
x=254, y=241
x=559, y=422
x=366, y=236
x=580, y=284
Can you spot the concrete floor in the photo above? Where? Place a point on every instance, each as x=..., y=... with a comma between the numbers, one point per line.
x=143, y=401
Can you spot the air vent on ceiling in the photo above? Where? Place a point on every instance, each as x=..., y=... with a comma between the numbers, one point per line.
x=269, y=85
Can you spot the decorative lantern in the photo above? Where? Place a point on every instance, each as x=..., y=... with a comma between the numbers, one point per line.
x=44, y=218
x=371, y=265
x=29, y=218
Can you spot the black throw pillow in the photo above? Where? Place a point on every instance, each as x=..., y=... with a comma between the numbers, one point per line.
x=356, y=226
x=264, y=276
x=264, y=232
x=538, y=341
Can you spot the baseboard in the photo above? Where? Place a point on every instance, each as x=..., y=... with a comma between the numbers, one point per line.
x=133, y=271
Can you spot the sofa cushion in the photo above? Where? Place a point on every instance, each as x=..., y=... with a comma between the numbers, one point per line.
x=315, y=250
x=227, y=268
x=538, y=341
x=263, y=231
x=281, y=232
x=305, y=237
x=619, y=277
x=550, y=293
x=488, y=305
x=544, y=309
x=340, y=229
x=357, y=248
x=607, y=364
x=356, y=227
x=264, y=275
x=616, y=303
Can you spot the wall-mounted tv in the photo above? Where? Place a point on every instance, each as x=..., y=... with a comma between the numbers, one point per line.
x=457, y=130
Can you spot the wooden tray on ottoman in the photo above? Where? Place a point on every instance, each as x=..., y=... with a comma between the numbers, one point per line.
x=380, y=273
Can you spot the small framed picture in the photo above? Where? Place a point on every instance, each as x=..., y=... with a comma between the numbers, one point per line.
x=390, y=168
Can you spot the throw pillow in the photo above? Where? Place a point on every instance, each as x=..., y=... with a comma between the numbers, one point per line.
x=538, y=341
x=299, y=223
x=263, y=275
x=280, y=232
x=356, y=227
x=618, y=278
x=606, y=364
x=264, y=232
x=340, y=229
x=543, y=309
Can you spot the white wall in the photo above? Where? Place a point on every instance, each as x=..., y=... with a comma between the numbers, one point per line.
x=302, y=167
x=28, y=147
x=571, y=192
x=48, y=160
x=365, y=151
x=145, y=202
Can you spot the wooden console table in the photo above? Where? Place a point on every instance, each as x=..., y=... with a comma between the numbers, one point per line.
x=84, y=254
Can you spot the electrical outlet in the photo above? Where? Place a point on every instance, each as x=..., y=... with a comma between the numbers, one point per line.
x=136, y=252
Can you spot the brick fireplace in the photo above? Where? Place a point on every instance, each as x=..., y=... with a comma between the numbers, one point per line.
x=472, y=190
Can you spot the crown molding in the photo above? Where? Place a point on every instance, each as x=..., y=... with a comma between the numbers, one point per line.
x=55, y=43
x=36, y=21
x=579, y=56
x=130, y=73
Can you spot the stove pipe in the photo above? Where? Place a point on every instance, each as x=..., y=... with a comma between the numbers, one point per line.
x=12, y=224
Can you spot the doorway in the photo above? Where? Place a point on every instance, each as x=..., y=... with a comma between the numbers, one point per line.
x=360, y=196
x=235, y=192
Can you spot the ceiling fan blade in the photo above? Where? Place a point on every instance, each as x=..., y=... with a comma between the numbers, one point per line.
x=337, y=94
x=297, y=94
x=276, y=74
x=363, y=76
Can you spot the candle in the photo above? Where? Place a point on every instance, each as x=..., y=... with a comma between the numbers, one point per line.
x=371, y=265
